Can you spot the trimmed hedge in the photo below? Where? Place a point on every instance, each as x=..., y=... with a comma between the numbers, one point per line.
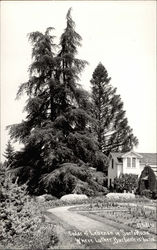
x=147, y=181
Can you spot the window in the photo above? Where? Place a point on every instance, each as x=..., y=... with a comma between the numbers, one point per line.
x=128, y=162
x=134, y=162
x=112, y=163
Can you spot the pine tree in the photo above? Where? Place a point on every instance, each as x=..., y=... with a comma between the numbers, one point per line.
x=9, y=154
x=113, y=131
x=57, y=131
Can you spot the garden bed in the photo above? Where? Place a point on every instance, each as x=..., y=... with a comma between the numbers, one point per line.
x=132, y=215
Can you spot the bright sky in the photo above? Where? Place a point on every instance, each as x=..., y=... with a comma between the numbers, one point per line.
x=120, y=34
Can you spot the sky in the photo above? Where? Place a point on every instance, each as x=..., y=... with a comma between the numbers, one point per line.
x=119, y=34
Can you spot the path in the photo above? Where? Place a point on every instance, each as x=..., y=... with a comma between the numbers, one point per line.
x=91, y=227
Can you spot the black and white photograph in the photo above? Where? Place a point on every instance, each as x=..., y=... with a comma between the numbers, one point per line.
x=78, y=151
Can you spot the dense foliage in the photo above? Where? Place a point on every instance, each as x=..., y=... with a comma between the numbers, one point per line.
x=21, y=219
x=71, y=178
x=147, y=184
x=127, y=182
x=113, y=131
x=57, y=132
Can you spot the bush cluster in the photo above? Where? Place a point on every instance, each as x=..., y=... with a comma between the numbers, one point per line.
x=126, y=182
x=120, y=196
x=147, y=185
x=21, y=220
x=147, y=193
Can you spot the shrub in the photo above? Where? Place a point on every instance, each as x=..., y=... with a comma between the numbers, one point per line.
x=43, y=238
x=49, y=197
x=147, y=181
x=154, y=195
x=21, y=218
x=147, y=193
x=120, y=196
x=126, y=182
x=74, y=197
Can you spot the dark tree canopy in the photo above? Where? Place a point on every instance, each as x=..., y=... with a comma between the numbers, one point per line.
x=65, y=131
x=57, y=128
x=113, y=131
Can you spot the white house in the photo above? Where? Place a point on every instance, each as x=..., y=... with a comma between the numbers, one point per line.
x=129, y=163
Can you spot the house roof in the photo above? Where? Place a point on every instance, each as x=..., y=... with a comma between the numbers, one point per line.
x=147, y=158
x=116, y=156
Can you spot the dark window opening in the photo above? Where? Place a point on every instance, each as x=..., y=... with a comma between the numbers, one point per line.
x=120, y=160
x=112, y=163
x=146, y=184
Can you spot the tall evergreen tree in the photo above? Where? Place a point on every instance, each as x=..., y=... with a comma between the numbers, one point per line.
x=113, y=131
x=56, y=133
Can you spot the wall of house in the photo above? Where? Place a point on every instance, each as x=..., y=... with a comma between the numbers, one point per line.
x=119, y=169
x=112, y=172
x=124, y=169
x=154, y=167
x=132, y=170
